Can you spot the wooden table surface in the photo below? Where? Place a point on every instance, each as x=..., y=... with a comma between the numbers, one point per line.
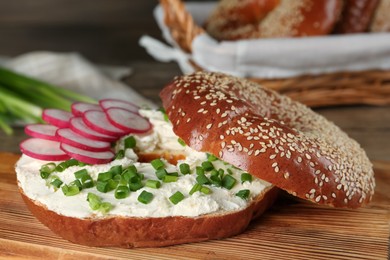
x=106, y=32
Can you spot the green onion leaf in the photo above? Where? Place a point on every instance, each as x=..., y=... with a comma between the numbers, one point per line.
x=205, y=190
x=161, y=173
x=202, y=179
x=102, y=186
x=116, y=170
x=81, y=173
x=135, y=186
x=199, y=170
x=246, y=177
x=184, y=168
x=119, y=155
x=207, y=166
x=228, y=182
x=70, y=190
x=122, y=192
x=105, y=207
x=157, y=164
x=243, y=194
x=181, y=142
x=56, y=182
x=154, y=184
x=170, y=178
x=105, y=176
x=130, y=142
x=145, y=197
x=211, y=157
x=177, y=197
x=94, y=201
x=195, y=188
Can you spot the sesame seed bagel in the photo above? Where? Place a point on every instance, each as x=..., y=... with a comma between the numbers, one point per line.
x=244, y=19
x=271, y=136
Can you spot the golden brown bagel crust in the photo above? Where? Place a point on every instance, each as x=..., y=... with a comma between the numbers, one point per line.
x=381, y=20
x=150, y=232
x=245, y=19
x=270, y=136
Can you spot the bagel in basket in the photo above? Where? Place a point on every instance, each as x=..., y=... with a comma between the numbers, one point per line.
x=222, y=128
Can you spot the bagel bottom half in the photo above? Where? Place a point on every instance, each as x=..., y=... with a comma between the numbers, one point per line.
x=131, y=232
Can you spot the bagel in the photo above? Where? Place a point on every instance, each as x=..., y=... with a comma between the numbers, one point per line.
x=271, y=136
x=381, y=20
x=247, y=19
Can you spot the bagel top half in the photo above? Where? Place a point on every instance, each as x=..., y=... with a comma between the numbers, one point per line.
x=271, y=136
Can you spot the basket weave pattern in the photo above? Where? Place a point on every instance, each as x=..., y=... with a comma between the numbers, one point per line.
x=341, y=88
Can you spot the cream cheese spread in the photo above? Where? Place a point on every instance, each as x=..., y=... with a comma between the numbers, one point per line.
x=160, y=137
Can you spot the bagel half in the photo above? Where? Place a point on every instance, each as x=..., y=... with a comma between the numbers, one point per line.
x=271, y=136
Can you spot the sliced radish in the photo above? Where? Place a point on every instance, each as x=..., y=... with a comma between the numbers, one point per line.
x=67, y=136
x=57, y=117
x=87, y=156
x=97, y=120
x=78, y=108
x=47, y=132
x=127, y=120
x=110, y=103
x=77, y=125
x=42, y=149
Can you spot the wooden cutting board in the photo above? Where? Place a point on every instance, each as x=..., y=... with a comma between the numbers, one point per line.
x=289, y=230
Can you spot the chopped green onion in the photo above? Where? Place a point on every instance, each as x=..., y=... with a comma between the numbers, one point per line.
x=122, y=192
x=184, y=168
x=173, y=174
x=105, y=207
x=228, y=182
x=202, y=179
x=117, y=169
x=221, y=173
x=86, y=182
x=195, y=188
x=207, y=166
x=161, y=173
x=130, y=142
x=243, y=194
x=246, y=177
x=135, y=186
x=112, y=184
x=229, y=171
x=105, y=176
x=70, y=190
x=216, y=180
x=44, y=175
x=177, y=197
x=157, y=164
x=56, y=182
x=211, y=157
x=66, y=164
x=170, y=178
x=165, y=114
x=131, y=176
x=102, y=186
x=81, y=173
x=199, y=170
x=145, y=197
x=119, y=155
x=214, y=172
x=205, y=190
x=154, y=184
x=48, y=167
x=94, y=201
x=77, y=183
x=181, y=142
x=132, y=168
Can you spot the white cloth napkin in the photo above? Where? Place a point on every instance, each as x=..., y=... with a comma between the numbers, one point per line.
x=274, y=58
x=72, y=71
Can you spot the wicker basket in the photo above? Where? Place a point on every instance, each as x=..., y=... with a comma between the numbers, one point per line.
x=341, y=88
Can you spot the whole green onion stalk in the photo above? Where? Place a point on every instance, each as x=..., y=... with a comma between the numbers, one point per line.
x=22, y=99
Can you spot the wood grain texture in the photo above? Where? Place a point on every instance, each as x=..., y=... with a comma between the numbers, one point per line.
x=292, y=229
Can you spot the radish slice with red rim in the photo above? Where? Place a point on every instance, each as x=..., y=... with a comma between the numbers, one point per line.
x=78, y=126
x=87, y=156
x=78, y=108
x=67, y=136
x=47, y=132
x=57, y=117
x=110, y=103
x=127, y=120
x=42, y=149
x=97, y=120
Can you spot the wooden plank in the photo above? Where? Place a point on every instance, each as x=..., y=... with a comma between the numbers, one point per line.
x=291, y=229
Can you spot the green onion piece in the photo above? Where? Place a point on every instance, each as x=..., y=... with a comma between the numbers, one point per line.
x=81, y=173
x=132, y=168
x=199, y=170
x=221, y=173
x=165, y=114
x=211, y=157
x=246, y=177
x=130, y=142
x=94, y=201
x=145, y=197
x=77, y=183
x=228, y=182
x=173, y=174
x=119, y=155
x=135, y=186
x=184, y=168
x=116, y=170
x=44, y=175
x=161, y=173
x=205, y=190
x=207, y=166
x=105, y=176
x=112, y=184
x=102, y=186
x=202, y=179
x=170, y=178
x=70, y=190
x=157, y=164
x=122, y=192
x=229, y=171
x=177, y=197
x=105, y=207
x=86, y=182
x=181, y=142
x=66, y=164
x=216, y=180
x=214, y=172
x=131, y=176
x=243, y=194
x=48, y=167
x=195, y=188
x=56, y=183
x=154, y=184
x=121, y=180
